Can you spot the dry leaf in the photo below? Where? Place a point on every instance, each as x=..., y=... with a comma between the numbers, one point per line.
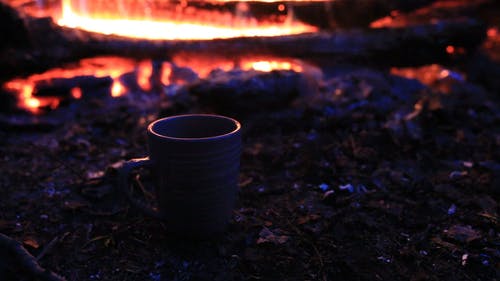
x=74, y=205
x=31, y=242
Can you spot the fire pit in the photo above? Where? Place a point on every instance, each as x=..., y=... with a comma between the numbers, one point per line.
x=257, y=35
x=369, y=129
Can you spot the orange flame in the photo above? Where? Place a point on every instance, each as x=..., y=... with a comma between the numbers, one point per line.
x=165, y=73
x=429, y=75
x=117, y=89
x=142, y=19
x=144, y=72
x=204, y=64
x=270, y=65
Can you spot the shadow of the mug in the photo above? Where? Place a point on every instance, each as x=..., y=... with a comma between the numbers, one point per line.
x=189, y=247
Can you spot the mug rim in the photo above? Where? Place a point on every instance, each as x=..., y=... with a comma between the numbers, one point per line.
x=216, y=137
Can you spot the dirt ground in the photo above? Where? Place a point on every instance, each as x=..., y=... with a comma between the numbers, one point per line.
x=360, y=174
x=378, y=177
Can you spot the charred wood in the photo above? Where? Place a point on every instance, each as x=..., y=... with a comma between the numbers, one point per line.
x=386, y=46
x=62, y=87
x=360, y=13
x=484, y=71
x=13, y=32
x=242, y=92
x=8, y=101
x=439, y=10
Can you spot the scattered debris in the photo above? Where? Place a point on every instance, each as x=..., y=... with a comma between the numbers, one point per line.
x=266, y=236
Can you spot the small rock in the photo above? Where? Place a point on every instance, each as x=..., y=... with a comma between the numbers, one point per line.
x=329, y=197
x=95, y=175
x=464, y=259
x=468, y=164
x=457, y=174
x=324, y=186
x=349, y=187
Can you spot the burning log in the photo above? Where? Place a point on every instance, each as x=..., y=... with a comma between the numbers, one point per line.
x=360, y=13
x=239, y=92
x=409, y=45
x=440, y=10
x=388, y=46
x=52, y=45
x=10, y=20
x=62, y=87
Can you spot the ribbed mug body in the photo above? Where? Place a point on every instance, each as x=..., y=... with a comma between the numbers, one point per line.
x=195, y=161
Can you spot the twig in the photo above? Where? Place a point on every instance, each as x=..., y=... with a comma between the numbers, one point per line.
x=51, y=245
x=47, y=248
x=15, y=255
x=147, y=194
x=313, y=246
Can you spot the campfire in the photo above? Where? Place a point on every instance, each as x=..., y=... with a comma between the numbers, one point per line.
x=153, y=21
x=370, y=140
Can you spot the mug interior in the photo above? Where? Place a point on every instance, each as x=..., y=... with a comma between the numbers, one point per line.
x=194, y=126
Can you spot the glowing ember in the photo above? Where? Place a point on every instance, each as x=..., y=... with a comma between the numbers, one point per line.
x=167, y=20
x=491, y=45
x=431, y=75
x=382, y=22
x=452, y=50
x=492, y=32
x=76, y=93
